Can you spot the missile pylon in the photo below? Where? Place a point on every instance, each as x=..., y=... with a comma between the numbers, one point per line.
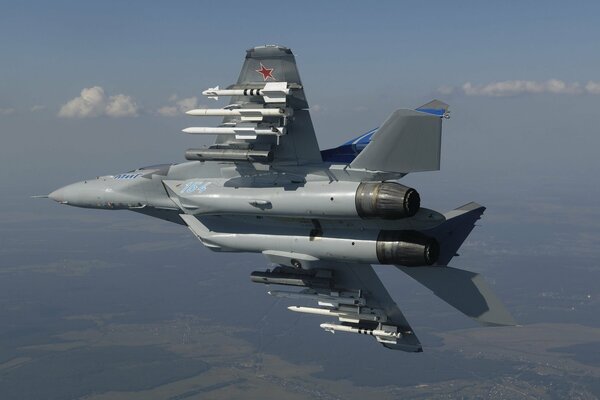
x=323, y=300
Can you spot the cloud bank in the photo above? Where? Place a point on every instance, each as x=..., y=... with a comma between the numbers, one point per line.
x=93, y=102
x=520, y=87
x=178, y=106
x=7, y=111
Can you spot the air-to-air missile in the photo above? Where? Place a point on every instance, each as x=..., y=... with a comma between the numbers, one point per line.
x=386, y=334
x=272, y=92
x=245, y=114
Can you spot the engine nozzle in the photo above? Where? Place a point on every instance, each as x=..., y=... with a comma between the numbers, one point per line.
x=387, y=200
x=408, y=248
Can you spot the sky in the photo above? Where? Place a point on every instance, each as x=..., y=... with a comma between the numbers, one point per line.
x=504, y=68
x=95, y=88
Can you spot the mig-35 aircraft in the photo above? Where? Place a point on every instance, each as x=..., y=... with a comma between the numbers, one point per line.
x=322, y=218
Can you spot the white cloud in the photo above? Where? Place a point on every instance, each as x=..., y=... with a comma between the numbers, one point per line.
x=517, y=87
x=168, y=111
x=92, y=102
x=446, y=90
x=592, y=87
x=188, y=104
x=7, y=111
x=38, y=107
x=178, y=106
x=121, y=106
x=560, y=87
x=89, y=104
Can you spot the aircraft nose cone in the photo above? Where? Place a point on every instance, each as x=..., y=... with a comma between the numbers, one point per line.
x=58, y=195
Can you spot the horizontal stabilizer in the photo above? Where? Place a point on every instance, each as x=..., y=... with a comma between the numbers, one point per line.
x=464, y=290
x=452, y=233
x=408, y=141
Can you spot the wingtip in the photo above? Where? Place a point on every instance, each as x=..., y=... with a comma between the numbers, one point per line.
x=471, y=206
x=409, y=348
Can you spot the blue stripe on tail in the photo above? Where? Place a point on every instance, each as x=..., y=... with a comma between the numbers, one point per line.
x=349, y=150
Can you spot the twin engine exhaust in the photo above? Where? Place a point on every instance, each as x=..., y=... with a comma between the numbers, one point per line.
x=408, y=248
x=386, y=200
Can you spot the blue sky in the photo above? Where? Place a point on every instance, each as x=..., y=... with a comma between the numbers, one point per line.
x=531, y=70
x=148, y=50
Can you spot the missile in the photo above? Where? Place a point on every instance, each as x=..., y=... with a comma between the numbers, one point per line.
x=313, y=310
x=272, y=92
x=343, y=315
x=323, y=300
x=247, y=114
x=241, y=132
x=379, y=333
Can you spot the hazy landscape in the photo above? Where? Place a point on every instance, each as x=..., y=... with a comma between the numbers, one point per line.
x=115, y=305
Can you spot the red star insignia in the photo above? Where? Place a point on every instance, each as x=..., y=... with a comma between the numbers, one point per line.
x=265, y=72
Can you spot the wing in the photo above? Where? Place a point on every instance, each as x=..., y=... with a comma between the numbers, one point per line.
x=267, y=119
x=352, y=295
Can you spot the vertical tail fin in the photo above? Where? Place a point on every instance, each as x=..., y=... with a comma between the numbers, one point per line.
x=274, y=65
x=408, y=141
x=435, y=107
x=271, y=63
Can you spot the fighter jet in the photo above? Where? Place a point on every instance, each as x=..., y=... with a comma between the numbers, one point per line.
x=322, y=218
